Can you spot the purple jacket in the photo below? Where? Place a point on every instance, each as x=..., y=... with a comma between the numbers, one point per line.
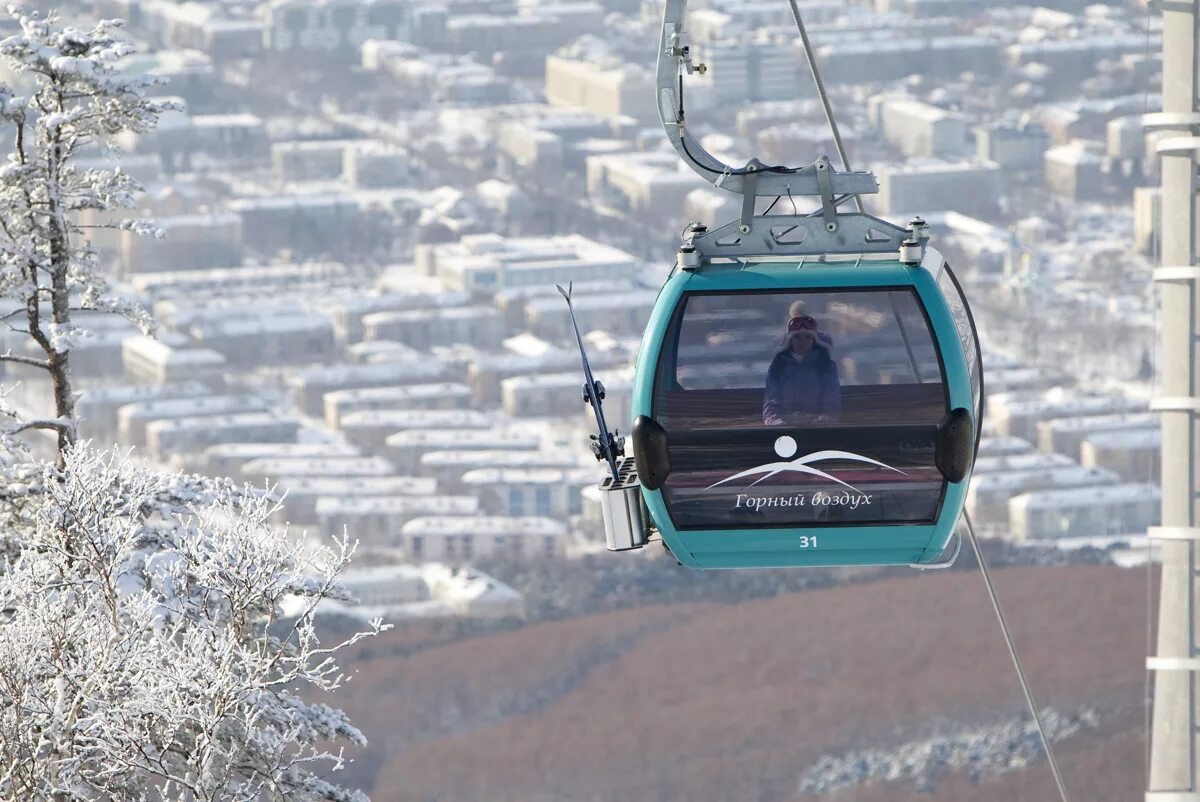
x=800, y=389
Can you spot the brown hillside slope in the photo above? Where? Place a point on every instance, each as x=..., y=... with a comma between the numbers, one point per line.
x=733, y=702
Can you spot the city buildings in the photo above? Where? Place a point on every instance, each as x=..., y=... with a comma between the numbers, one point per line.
x=367, y=204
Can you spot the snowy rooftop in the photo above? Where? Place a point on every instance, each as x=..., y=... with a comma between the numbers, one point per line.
x=500, y=459
x=1098, y=423
x=401, y=393
x=398, y=298
x=275, y=324
x=211, y=220
x=477, y=438
x=358, y=486
x=931, y=167
x=398, y=505
x=513, y=252
x=203, y=422
x=395, y=572
x=241, y=120
x=419, y=419
x=185, y=407
x=1073, y=154
x=437, y=313
x=257, y=450
x=1113, y=42
x=579, y=289
x=161, y=353
x=612, y=300
x=132, y=393
x=381, y=372
x=1134, y=439
x=613, y=380
x=529, y=476
x=382, y=351
x=467, y=585
x=276, y=468
x=1062, y=404
x=1102, y=496
x=866, y=49
x=925, y=111
x=1024, y=463
x=1064, y=476
x=316, y=146
x=1003, y=446
x=226, y=280
x=528, y=526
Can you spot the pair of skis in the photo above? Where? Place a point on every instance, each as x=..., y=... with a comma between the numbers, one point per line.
x=606, y=445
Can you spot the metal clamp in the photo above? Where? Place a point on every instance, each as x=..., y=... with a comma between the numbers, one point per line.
x=749, y=195
x=1177, y=403
x=1160, y=120
x=1173, y=533
x=1173, y=663
x=799, y=235
x=1177, y=273
x=825, y=183
x=1178, y=145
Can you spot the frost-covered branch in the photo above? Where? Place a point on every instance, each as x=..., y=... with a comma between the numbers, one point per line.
x=9, y=356
x=156, y=631
x=49, y=424
x=140, y=649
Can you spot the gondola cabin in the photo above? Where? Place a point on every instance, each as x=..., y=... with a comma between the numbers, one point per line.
x=808, y=389
x=814, y=411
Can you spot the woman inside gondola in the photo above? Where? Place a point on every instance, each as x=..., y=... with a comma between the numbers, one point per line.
x=802, y=383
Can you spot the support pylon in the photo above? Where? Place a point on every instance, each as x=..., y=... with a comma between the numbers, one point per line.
x=1176, y=662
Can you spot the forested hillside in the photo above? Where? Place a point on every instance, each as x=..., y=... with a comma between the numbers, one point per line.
x=737, y=701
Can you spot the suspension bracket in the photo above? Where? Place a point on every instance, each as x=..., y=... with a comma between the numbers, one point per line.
x=675, y=61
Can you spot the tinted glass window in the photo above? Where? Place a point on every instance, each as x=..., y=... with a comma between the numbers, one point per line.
x=800, y=409
x=962, y=323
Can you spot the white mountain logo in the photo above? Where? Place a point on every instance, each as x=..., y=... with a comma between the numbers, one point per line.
x=785, y=447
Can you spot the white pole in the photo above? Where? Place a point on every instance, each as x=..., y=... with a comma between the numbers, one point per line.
x=1176, y=664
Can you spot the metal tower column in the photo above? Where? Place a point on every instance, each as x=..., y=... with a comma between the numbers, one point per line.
x=1174, y=755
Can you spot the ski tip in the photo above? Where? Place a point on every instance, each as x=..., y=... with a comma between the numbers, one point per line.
x=567, y=292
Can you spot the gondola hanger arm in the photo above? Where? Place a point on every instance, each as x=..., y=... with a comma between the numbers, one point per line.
x=674, y=61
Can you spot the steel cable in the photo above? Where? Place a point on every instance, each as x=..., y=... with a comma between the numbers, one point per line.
x=983, y=567
x=824, y=96
x=1012, y=651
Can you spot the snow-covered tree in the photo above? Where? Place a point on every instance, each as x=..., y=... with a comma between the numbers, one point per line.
x=144, y=653
x=79, y=99
x=156, y=631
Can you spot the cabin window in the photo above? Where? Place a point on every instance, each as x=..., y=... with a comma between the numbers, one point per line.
x=801, y=408
x=962, y=324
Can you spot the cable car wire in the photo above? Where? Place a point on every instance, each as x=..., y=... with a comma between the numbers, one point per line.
x=822, y=94
x=1012, y=651
x=987, y=576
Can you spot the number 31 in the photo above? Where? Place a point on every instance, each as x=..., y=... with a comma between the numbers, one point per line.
x=808, y=541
